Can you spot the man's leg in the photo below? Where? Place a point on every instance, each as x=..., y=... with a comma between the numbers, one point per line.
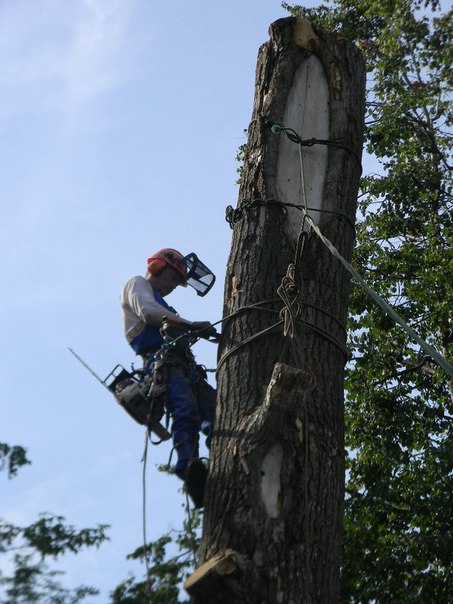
x=206, y=401
x=185, y=420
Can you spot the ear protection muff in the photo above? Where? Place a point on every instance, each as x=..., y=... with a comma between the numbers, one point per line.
x=155, y=265
x=168, y=257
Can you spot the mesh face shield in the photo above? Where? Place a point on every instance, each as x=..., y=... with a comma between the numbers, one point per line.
x=198, y=275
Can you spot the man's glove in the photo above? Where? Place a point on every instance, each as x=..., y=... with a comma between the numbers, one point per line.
x=205, y=329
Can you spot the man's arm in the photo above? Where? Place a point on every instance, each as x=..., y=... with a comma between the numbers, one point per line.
x=202, y=328
x=138, y=294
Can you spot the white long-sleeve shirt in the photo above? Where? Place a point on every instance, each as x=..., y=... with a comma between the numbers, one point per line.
x=140, y=307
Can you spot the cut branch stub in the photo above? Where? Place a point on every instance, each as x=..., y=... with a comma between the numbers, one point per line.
x=223, y=580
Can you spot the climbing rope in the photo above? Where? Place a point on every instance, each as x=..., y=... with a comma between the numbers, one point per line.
x=295, y=138
x=144, y=531
x=306, y=324
x=385, y=306
x=288, y=290
x=168, y=344
x=234, y=215
x=254, y=336
x=193, y=549
x=292, y=308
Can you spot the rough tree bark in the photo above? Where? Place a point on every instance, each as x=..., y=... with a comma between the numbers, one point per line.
x=273, y=516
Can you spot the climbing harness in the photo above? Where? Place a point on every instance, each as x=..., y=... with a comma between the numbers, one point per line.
x=142, y=393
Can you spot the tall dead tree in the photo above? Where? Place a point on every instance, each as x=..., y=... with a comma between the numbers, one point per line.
x=273, y=516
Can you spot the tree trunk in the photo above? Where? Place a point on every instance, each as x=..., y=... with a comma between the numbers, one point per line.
x=273, y=517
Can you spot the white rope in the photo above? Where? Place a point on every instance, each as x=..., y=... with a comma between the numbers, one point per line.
x=439, y=359
x=385, y=306
x=389, y=310
x=145, y=545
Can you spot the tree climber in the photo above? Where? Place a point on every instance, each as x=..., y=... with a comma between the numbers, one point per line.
x=148, y=320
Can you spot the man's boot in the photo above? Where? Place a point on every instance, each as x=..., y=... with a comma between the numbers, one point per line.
x=195, y=481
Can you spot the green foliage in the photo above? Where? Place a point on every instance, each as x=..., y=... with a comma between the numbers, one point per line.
x=399, y=412
x=12, y=458
x=31, y=579
x=240, y=156
x=34, y=582
x=165, y=574
x=26, y=549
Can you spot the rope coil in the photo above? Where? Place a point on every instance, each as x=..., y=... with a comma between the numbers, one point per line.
x=289, y=293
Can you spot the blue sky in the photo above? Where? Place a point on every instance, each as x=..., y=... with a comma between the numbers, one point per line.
x=120, y=122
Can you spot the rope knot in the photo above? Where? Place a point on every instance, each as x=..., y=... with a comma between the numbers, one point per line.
x=289, y=293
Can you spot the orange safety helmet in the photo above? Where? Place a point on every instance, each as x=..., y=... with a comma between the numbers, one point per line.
x=168, y=257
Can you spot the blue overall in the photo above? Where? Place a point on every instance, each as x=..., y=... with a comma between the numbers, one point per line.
x=190, y=400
